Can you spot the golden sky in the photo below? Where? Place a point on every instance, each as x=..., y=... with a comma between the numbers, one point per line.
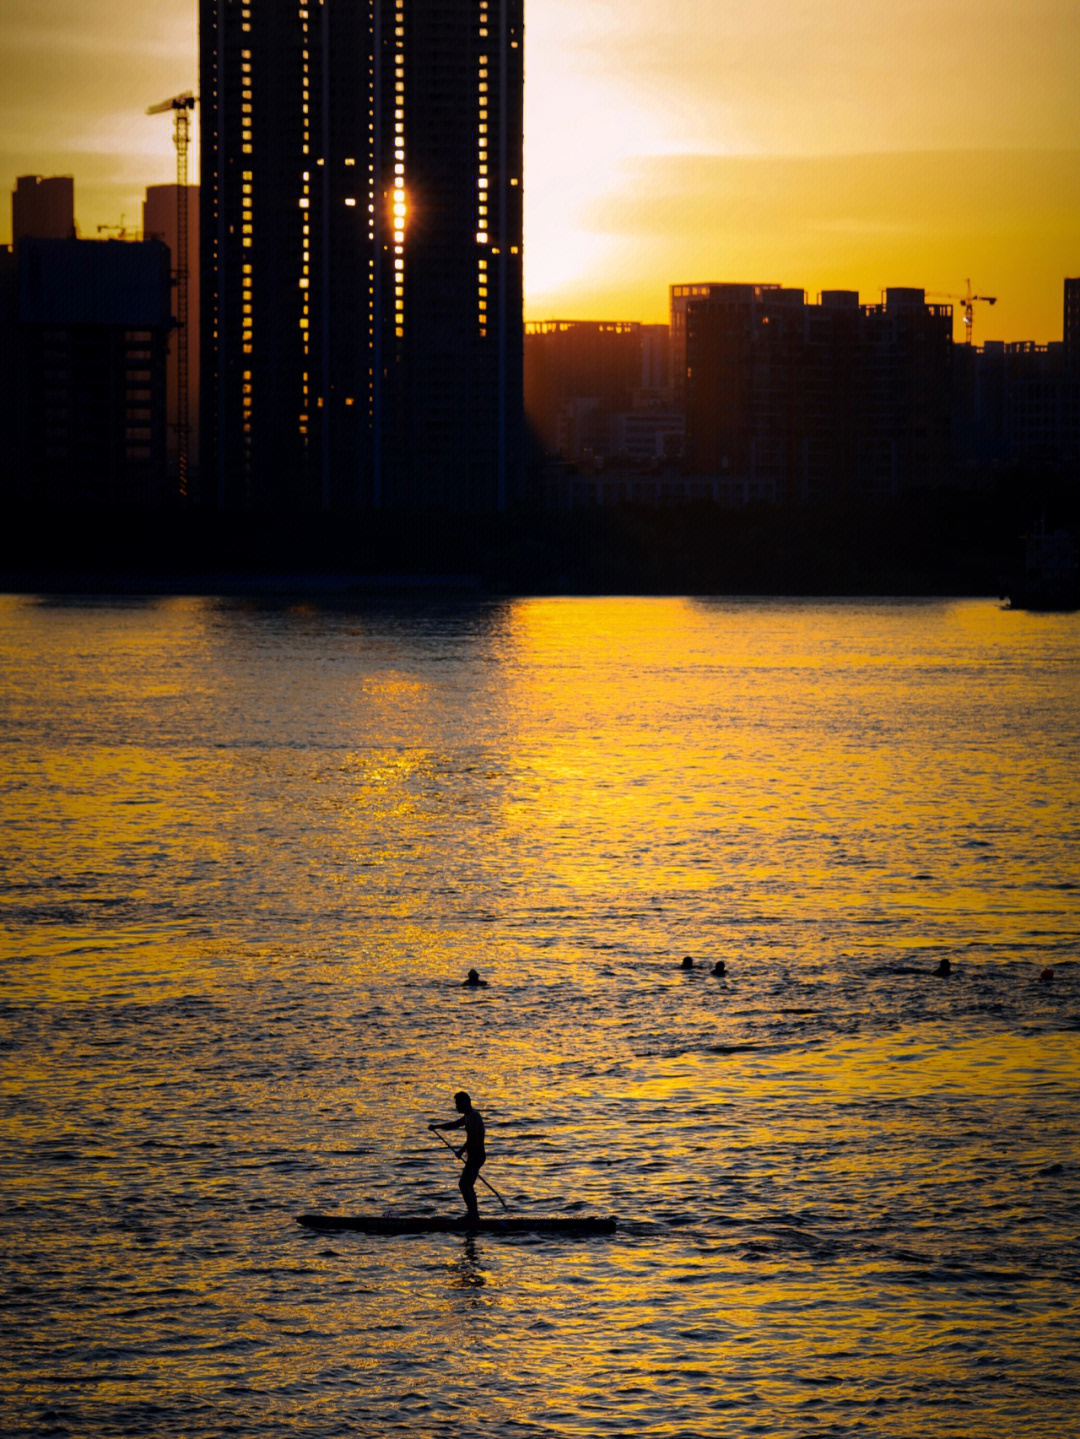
x=813, y=143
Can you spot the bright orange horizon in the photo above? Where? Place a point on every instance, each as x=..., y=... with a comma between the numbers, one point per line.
x=828, y=147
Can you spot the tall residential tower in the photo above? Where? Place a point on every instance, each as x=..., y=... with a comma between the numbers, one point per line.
x=361, y=253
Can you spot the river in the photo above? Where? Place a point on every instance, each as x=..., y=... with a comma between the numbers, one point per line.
x=251, y=850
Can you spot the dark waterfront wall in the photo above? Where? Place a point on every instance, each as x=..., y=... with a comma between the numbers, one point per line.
x=945, y=541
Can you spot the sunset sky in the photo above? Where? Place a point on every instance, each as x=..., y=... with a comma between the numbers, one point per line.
x=812, y=144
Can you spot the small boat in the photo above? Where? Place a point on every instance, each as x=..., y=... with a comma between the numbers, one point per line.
x=389, y=1224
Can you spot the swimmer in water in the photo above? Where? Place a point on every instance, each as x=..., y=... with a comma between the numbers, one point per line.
x=944, y=967
x=473, y=981
x=687, y=963
x=719, y=967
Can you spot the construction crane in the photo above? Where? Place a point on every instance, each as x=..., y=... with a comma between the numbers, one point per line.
x=968, y=301
x=181, y=107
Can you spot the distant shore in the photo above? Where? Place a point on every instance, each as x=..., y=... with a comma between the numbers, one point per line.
x=948, y=541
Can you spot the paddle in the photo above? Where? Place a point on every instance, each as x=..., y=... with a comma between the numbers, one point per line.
x=481, y=1178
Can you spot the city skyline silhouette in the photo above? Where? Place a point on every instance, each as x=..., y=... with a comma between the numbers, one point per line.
x=836, y=150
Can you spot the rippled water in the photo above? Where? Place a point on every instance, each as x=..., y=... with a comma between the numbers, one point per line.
x=249, y=853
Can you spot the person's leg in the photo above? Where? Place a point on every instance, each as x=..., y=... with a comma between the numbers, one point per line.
x=467, y=1185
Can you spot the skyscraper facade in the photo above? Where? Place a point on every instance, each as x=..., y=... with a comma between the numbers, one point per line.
x=361, y=253
x=1071, y=328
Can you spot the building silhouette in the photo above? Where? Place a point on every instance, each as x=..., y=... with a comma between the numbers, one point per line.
x=598, y=391
x=793, y=402
x=361, y=254
x=85, y=335
x=1071, y=328
x=1016, y=403
x=43, y=208
x=161, y=222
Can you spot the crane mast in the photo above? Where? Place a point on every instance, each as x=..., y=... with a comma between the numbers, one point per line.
x=968, y=300
x=181, y=107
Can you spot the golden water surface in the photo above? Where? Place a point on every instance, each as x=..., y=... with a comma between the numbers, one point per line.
x=250, y=852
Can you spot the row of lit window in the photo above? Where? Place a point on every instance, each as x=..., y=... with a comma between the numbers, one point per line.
x=399, y=171
x=482, y=217
x=246, y=227
x=305, y=206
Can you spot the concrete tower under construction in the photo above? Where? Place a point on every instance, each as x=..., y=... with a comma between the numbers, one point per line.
x=361, y=253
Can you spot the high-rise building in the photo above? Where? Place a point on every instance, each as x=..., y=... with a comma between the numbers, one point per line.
x=1071, y=330
x=680, y=298
x=793, y=401
x=361, y=252
x=161, y=217
x=88, y=336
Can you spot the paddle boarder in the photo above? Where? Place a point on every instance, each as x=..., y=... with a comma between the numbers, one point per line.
x=472, y=1151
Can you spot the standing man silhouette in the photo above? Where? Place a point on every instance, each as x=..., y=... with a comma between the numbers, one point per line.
x=472, y=1150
